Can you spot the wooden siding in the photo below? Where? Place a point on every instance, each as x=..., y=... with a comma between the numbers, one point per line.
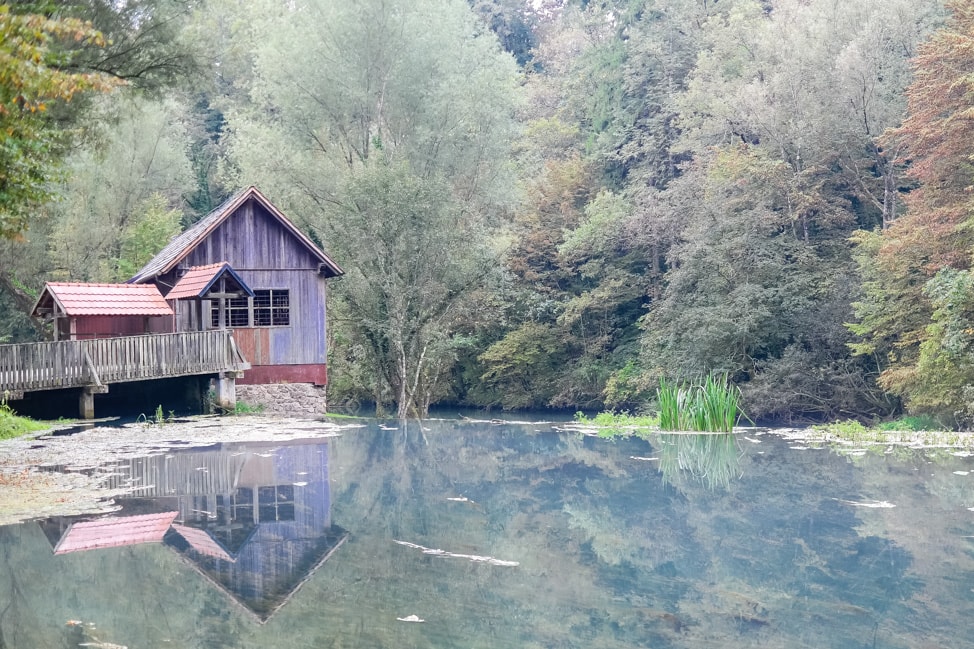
x=79, y=363
x=106, y=326
x=267, y=256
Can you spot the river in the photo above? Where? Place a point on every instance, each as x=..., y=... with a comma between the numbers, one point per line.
x=259, y=532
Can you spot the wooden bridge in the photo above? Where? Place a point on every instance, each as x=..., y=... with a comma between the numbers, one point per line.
x=94, y=364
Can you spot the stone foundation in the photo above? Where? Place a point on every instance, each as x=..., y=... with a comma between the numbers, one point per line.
x=284, y=398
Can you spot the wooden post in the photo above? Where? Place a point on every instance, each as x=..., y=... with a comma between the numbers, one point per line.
x=87, y=401
x=226, y=390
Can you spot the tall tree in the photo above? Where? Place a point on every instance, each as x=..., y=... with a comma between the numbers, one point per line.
x=32, y=80
x=784, y=101
x=408, y=101
x=915, y=316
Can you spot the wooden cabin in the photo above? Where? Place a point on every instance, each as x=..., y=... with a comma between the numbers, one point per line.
x=246, y=267
x=85, y=311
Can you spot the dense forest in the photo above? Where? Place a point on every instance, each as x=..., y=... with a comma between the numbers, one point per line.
x=538, y=204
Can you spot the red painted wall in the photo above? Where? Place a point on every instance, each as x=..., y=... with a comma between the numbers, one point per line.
x=107, y=326
x=263, y=374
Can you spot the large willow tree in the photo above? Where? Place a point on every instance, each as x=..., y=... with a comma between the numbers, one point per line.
x=385, y=125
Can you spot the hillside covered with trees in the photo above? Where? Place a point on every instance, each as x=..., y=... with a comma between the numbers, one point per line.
x=547, y=203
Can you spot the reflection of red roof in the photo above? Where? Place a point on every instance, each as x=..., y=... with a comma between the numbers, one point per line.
x=115, y=532
x=198, y=280
x=76, y=299
x=202, y=542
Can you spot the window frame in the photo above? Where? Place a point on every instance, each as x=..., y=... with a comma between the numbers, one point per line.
x=268, y=308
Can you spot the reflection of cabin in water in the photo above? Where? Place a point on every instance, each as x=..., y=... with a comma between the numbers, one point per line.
x=254, y=521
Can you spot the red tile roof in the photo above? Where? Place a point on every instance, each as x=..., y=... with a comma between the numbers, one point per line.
x=77, y=299
x=199, y=279
x=115, y=532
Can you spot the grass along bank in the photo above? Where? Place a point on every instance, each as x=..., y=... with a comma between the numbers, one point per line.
x=905, y=431
x=910, y=431
x=12, y=425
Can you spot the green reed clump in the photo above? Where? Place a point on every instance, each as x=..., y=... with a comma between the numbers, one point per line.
x=709, y=406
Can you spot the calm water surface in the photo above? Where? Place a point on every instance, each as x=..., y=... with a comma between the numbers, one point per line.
x=456, y=534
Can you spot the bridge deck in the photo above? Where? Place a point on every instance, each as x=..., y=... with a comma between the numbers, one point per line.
x=98, y=362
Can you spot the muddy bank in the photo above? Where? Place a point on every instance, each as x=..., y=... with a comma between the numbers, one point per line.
x=58, y=475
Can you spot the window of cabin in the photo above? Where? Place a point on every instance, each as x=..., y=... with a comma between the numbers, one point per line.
x=236, y=313
x=268, y=308
x=272, y=308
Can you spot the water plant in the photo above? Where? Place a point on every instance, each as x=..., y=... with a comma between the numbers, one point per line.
x=610, y=424
x=711, y=405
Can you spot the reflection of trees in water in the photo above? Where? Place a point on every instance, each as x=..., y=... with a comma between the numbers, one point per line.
x=610, y=554
x=711, y=459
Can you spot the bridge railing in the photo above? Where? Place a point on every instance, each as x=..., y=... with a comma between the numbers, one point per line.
x=78, y=363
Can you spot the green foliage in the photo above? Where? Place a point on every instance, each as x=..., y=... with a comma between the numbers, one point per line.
x=418, y=261
x=912, y=422
x=845, y=428
x=710, y=405
x=520, y=366
x=151, y=227
x=12, y=425
x=244, y=408
x=626, y=385
x=117, y=207
x=396, y=154
x=34, y=76
x=610, y=424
